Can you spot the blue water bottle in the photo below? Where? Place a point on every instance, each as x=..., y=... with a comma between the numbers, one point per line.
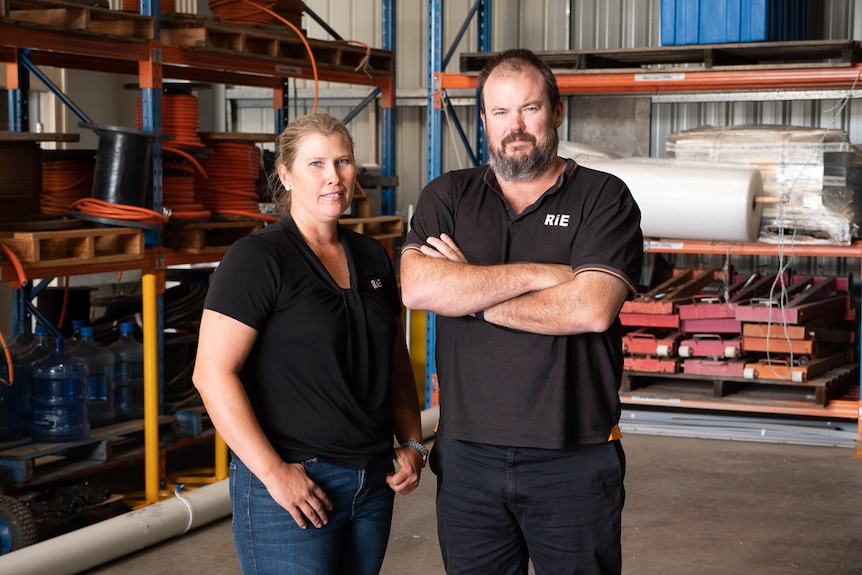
x=129, y=374
x=26, y=348
x=58, y=397
x=75, y=338
x=101, y=408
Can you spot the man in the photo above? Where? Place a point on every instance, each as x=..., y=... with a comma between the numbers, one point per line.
x=527, y=262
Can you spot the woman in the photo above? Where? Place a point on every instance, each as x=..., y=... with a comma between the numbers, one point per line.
x=303, y=369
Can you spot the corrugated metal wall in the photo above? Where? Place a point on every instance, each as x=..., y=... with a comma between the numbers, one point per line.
x=542, y=25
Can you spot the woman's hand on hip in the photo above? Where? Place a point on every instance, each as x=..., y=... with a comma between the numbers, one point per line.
x=300, y=496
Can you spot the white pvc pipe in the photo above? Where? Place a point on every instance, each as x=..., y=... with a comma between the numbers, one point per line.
x=90, y=546
x=110, y=539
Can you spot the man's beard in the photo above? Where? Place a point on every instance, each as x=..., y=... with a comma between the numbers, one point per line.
x=528, y=166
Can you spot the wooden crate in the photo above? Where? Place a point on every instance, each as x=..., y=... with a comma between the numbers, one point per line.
x=88, y=245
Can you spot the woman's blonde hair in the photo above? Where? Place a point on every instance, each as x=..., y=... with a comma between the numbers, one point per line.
x=288, y=143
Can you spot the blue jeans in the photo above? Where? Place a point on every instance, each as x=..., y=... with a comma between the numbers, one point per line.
x=500, y=507
x=268, y=541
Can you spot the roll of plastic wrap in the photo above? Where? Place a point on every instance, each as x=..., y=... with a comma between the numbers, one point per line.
x=691, y=200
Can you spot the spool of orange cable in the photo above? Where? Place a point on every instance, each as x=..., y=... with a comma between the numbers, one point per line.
x=234, y=169
x=67, y=176
x=180, y=116
x=178, y=187
x=242, y=12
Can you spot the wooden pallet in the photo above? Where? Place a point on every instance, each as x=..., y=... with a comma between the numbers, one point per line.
x=32, y=463
x=76, y=246
x=276, y=42
x=816, y=391
x=380, y=227
x=208, y=237
x=79, y=17
x=809, y=53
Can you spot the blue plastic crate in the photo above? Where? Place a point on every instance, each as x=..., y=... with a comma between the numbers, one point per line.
x=725, y=21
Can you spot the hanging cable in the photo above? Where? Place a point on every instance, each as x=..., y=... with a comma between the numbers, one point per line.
x=10, y=381
x=784, y=265
x=16, y=264
x=364, y=63
x=64, y=306
x=304, y=42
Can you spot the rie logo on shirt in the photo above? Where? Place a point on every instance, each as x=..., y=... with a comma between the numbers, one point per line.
x=559, y=220
x=377, y=283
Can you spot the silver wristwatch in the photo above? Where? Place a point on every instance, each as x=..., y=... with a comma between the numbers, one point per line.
x=412, y=443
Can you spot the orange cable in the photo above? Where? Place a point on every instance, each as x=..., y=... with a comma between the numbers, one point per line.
x=304, y=42
x=8, y=355
x=65, y=305
x=233, y=11
x=363, y=64
x=64, y=181
x=234, y=170
x=101, y=208
x=16, y=263
x=180, y=114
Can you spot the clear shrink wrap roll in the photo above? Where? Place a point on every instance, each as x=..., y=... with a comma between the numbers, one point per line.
x=691, y=200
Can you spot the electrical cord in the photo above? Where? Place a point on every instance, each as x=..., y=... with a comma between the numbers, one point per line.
x=234, y=169
x=102, y=209
x=180, y=113
x=16, y=264
x=302, y=39
x=10, y=381
x=64, y=182
x=178, y=185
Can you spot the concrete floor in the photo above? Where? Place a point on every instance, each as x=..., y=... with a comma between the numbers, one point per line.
x=702, y=506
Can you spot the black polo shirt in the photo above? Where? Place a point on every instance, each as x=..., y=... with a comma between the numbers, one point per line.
x=319, y=374
x=508, y=387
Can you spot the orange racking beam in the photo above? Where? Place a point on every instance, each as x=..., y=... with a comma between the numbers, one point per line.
x=61, y=42
x=689, y=80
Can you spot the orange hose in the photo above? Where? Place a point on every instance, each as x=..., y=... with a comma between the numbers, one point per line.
x=234, y=170
x=180, y=114
x=65, y=305
x=16, y=263
x=64, y=181
x=103, y=209
x=304, y=42
x=8, y=355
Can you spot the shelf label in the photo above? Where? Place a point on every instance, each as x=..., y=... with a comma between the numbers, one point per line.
x=655, y=399
x=293, y=70
x=664, y=77
x=663, y=245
